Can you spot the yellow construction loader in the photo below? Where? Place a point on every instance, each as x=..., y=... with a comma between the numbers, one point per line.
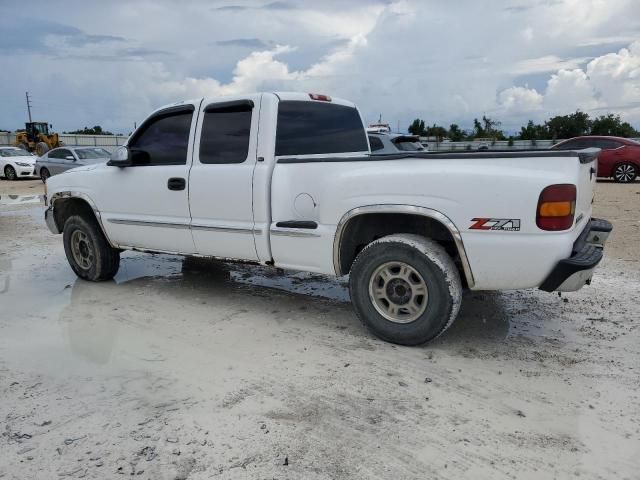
x=36, y=137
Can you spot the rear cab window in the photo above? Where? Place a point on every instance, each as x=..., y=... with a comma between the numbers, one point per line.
x=317, y=128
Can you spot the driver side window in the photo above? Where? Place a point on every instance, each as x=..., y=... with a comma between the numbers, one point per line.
x=164, y=141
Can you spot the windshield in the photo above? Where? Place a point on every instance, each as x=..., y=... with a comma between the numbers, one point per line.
x=15, y=152
x=91, y=153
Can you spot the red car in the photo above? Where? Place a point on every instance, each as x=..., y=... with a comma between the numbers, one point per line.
x=619, y=158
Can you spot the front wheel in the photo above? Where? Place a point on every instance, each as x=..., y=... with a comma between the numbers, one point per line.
x=10, y=173
x=625, y=173
x=88, y=252
x=405, y=288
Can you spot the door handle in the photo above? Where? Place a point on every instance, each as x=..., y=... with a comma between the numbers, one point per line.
x=176, y=183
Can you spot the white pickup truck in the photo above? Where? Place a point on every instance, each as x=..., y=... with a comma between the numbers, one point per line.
x=288, y=179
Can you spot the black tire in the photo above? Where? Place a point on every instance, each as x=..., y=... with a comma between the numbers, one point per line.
x=625, y=172
x=96, y=260
x=433, y=267
x=41, y=148
x=23, y=146
x=10, y=173
x=44, y=174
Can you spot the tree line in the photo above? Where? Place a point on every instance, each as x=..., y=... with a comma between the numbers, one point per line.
x=558, y=127
x=96, y=130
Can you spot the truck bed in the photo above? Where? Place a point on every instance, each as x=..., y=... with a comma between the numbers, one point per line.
x=585, y=156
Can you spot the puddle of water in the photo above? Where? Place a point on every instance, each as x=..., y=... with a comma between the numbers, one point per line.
x=20, y=199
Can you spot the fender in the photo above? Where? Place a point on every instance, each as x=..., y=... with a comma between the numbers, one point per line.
x=67, y=194
x=403, y=209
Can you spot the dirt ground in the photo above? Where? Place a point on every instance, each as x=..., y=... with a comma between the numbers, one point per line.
x=181, y=369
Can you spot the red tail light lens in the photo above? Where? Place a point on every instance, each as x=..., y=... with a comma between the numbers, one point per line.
x=320, y=98
x=556, y=207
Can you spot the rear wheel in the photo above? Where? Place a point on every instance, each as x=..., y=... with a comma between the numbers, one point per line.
x=44, y=174
x=23, y=146
x=41, y=148
x=88, y=252
x=405, y=289
x=625, y=173
x=10, y=173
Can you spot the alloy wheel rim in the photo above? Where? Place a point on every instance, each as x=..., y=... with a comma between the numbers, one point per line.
x=625, y=173
x=11, y=173
x=398, y=292
x=82, y=249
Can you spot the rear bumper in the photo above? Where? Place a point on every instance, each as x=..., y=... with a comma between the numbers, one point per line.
x=575, y=272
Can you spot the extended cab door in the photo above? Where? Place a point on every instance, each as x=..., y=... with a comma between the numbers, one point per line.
x=146, y=205
x=220, y=191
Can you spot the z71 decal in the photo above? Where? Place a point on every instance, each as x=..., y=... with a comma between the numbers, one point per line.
x=504, y=224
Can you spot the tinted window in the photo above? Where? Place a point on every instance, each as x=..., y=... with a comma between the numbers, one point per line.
x=408, y=145
x=376, y=143
x=606, y=144
x=225, y=135
x=91, y=153
x=60, y=153
x=574, y=145
x=163, y=141
x=318, y=127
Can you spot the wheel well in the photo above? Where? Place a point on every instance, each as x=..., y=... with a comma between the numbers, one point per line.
x=66, y=207
x=365, y=228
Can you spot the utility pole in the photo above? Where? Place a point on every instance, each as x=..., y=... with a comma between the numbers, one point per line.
x=26, y=94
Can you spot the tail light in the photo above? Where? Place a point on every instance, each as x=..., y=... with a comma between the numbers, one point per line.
x=556, y=207
x=321, y=98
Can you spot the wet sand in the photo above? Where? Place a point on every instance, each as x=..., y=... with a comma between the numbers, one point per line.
x=196, y=369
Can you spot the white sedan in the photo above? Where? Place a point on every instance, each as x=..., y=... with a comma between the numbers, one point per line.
x=16, y=163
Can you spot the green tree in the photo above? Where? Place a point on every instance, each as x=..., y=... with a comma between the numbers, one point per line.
x=417, y=127
x=533, y=131
x=96, y=130
x=488, y=128
x=612, y=125
x=455, y=133
x=478, y=131
x=436, y=131
x=567, y=126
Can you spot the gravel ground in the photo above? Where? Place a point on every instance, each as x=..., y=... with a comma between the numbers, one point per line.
x=183, y=369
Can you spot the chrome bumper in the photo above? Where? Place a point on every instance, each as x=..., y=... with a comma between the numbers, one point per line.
x=573, y=273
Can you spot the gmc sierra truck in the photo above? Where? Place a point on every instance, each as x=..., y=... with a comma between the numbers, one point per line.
x=288, y=179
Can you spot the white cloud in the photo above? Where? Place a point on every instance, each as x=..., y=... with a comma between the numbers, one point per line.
x=548, y=63
x=569, y=90
x=520, y=99
x=610, y=82
x=616, y=76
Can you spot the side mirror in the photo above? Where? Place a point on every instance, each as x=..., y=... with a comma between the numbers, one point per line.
x=70, y=157
x=121, y=157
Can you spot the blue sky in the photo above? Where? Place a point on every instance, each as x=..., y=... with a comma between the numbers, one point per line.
x=111, y=63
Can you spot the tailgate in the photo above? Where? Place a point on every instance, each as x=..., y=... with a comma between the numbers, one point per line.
x=586, y=181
